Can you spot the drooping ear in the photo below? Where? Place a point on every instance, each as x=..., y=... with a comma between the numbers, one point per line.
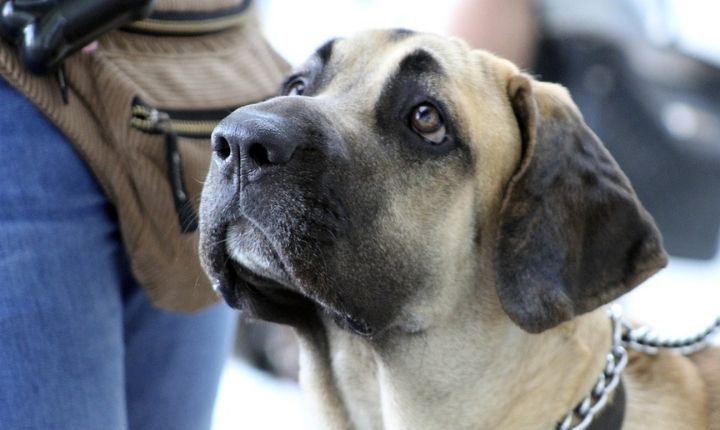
x=572, y=234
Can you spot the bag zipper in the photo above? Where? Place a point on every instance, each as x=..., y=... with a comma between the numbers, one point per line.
x=172, y=124
x=151, y=120
x=194, y=23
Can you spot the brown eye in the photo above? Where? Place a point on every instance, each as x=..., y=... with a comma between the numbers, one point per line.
x=296, y=88
x=427, y=122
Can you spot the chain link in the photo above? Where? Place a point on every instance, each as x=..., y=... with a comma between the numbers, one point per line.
x=584, y=413
x=643, y=340
x=637, y=339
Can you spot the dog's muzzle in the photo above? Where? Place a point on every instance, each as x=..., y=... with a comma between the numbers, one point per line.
x=267, y=207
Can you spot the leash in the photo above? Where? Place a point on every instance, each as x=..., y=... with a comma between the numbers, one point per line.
x=643, y=340
x=593, y=412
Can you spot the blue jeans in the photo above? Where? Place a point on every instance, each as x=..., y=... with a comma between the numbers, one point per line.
x=80, y=345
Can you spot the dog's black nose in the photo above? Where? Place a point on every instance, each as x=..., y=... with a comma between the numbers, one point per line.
x=247, y=142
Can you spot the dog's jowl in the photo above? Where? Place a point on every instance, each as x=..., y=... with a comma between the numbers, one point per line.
x=443, y=232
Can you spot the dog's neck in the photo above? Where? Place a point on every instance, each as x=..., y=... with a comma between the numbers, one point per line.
x=463, y=373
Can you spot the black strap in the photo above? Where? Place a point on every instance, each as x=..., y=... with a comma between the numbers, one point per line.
x=612, y=416
x=187, y=216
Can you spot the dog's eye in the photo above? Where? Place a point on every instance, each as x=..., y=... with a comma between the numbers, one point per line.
x=427, y=121
x=296, y=88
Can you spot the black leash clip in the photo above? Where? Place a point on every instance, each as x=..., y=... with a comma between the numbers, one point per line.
x=47, y=31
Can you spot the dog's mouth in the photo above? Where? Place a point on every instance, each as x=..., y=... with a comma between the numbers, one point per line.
x=251, y=277
x=265, y=293
x=254, y=256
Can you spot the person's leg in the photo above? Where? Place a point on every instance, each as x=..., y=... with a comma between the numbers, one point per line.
x=174, y=363
x=81, y=346
x=61, y=339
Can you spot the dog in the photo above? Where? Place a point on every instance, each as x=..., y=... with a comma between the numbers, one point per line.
x=443, y=232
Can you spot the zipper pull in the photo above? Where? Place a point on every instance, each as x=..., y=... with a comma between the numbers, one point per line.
x=160, y=121
x=183, y=206
x=150, y=120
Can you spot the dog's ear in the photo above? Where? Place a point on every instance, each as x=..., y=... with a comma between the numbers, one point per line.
x=572, y=233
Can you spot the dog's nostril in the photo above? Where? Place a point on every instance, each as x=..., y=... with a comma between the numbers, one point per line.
x=222, y=148
x=259, y=154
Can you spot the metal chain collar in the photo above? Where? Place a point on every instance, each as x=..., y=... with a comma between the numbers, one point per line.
x=584, y=413
x=637, y=339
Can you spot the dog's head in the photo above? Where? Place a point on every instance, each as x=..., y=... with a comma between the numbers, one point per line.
x=398, y=169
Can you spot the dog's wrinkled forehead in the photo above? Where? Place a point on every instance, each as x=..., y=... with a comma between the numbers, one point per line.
x=364, y=65
x=355, y=79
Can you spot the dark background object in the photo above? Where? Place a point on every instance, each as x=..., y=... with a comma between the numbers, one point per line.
x=658, y=112
x=269, y=347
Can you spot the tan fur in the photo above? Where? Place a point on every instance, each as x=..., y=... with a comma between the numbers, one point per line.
x=452, y=358
x=708, y=364
x=665, y=392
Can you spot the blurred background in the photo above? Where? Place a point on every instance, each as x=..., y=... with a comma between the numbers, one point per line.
x=645, y=74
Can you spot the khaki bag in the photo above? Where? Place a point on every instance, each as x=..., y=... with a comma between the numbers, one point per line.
x=141, y=107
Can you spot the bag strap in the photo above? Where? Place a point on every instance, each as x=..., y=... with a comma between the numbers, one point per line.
x=190, y=22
